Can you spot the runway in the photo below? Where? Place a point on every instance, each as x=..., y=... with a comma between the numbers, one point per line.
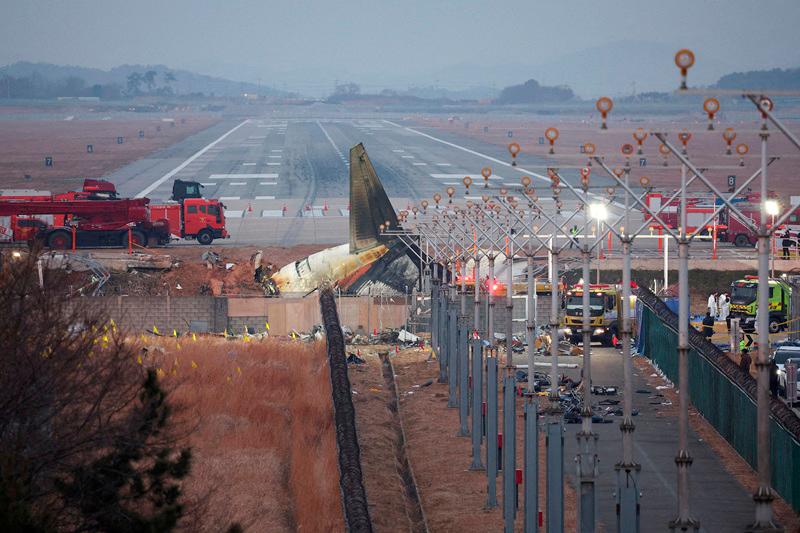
x=284, y=181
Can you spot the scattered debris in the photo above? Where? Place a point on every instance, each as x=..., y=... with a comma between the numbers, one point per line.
x=354, y=359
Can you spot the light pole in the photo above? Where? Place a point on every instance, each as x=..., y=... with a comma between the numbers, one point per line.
x=772, y=208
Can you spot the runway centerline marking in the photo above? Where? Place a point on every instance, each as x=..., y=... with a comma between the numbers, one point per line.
x=461, y=176
x=249, y=164
x=268, y=183
x=150, y=188
x=240, y=176
x=229, y=197
x=238, y=183
x=271, y=198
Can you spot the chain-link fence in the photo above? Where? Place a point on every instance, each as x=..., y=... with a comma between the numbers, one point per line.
x=723, y=394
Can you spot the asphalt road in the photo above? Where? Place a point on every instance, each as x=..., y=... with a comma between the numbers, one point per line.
x=717, y=500
x=285, y=180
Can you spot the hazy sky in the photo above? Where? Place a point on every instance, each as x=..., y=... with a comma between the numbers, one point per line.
x=373, y=42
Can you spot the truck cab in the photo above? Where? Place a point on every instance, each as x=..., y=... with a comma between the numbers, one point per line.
x=604, y=308
x=183, y=189
x=744, y=303
x=203, y=219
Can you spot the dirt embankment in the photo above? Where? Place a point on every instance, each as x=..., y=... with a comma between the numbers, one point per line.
x=453, y=497
x=24, y=145
x=190, y=275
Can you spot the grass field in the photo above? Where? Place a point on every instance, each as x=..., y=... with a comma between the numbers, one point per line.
x=263, y=438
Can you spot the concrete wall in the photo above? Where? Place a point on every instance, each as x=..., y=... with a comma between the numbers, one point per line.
x=200, y=313
x=208, y=313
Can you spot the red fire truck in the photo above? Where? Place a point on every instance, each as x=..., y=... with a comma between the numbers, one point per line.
x=730, y=227
x=96, y=216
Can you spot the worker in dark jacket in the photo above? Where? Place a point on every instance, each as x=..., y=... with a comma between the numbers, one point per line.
x=786, y=243
x=745, y=361
x=773, y=378
x=708, y=326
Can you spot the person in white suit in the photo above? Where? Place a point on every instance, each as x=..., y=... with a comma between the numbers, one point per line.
x=712, y=304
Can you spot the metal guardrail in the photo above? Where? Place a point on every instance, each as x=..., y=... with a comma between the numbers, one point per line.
x=351, y=483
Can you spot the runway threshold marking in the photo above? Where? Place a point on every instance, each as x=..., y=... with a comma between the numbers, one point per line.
x=150, y=188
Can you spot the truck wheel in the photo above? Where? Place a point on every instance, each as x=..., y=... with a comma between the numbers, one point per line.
x=774, y=325
x=138, y=238
x=205, y=237
x=741, y=240
x=59, y=240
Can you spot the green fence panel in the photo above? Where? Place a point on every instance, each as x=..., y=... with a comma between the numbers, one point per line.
x=726, y=405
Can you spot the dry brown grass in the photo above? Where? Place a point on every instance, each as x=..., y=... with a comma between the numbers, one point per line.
x=264, y=443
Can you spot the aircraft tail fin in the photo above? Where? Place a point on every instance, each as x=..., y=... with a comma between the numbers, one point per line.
x=369, y=204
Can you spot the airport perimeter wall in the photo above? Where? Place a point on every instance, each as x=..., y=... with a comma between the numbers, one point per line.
x=723, y=394
x=215, y=314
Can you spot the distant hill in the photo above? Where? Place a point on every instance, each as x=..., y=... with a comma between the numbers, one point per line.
x=777, y=78
x=612, y=69
x=531, y=92
x=169, y=81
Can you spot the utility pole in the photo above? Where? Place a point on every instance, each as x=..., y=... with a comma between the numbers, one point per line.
x=684, y=520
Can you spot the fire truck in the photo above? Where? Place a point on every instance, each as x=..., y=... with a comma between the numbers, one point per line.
x=729, y=226
x=605, y=308
x=744, y=303
x=96, y=216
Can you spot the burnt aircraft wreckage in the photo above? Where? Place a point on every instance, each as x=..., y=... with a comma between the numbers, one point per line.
x=369, y=261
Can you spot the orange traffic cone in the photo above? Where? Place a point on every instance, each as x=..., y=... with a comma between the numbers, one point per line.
x=249, y=208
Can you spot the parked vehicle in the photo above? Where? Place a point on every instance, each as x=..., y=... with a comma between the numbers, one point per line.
x=783, y=355
x=744, y=303
x=96, y=216
x=605, y=306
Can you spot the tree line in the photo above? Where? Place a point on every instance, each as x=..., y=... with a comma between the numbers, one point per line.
x=35, y=86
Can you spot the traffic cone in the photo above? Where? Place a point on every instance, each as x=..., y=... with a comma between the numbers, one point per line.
x=308, y=207
x=284, y=208
x=249, y=207
x=325, y=206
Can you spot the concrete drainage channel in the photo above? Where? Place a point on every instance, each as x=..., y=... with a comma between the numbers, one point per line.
x=413, y=505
